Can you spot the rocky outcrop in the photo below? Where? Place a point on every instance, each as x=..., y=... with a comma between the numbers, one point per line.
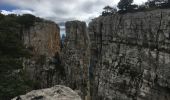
x=57, y=92
x=43, y=40
x=130, y=58
x=75, y=56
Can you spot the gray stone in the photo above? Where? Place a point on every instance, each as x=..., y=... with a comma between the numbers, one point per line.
x=57, y=92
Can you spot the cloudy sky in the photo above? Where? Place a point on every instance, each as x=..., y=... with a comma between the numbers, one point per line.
x=58, y=10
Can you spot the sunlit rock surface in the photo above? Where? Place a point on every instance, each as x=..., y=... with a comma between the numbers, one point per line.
x=43, y=38
x=43, y=67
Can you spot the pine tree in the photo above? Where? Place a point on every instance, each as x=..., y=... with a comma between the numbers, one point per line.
x=124, y=4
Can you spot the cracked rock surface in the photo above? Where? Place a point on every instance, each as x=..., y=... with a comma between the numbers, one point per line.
x=130, y=56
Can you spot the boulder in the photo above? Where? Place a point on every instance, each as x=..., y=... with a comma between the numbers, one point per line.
x=57, y=92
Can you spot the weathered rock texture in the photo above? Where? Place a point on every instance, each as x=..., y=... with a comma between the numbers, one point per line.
x=75, y=56
x=57, y=92
x=43, y=40
x=130, y=56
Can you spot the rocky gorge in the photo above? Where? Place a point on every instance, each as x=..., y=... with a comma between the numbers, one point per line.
x=117, y=57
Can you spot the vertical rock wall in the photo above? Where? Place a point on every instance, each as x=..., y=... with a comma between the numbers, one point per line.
x=130, y=56
x=75, y=56
x=43, y=40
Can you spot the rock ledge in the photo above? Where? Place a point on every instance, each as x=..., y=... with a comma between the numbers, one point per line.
x=57, y=92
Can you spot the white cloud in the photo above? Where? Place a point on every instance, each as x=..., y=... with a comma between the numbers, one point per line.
x=62, y=10
x=139, y=1
x=18, y=12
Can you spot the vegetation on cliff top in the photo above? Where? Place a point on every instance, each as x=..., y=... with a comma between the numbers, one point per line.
x=13, y=81
x=125, y=6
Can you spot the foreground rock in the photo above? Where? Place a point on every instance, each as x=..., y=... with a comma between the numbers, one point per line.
x=57, y=92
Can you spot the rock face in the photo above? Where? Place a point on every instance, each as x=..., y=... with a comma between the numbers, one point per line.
x=75, y=56
x=43, y=40
x=130, y=56
x=57, y=92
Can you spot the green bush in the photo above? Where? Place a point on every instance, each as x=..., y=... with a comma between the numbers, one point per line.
x=13, y=80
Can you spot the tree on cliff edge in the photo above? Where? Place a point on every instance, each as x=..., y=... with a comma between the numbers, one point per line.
x=108, y=11
x=124, y=4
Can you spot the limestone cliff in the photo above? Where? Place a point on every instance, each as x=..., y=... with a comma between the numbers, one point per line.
x=43, y=40
x=130, y=58
x=75, y=56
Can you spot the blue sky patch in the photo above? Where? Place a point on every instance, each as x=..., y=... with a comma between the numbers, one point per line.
x=7, y=7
